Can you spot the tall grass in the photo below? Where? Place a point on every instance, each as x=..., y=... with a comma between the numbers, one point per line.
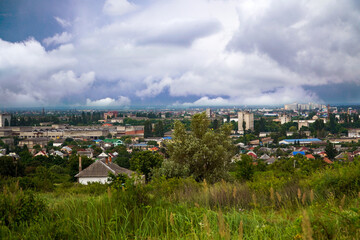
x=185, y=209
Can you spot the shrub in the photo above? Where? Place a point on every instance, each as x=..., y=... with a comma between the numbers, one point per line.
x=17, y=206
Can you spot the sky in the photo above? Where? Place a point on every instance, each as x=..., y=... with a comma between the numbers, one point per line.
x=116, y=53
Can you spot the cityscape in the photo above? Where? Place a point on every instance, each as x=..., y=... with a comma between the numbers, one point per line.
x=153, y=119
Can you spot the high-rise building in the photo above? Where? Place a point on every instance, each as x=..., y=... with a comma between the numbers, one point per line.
x=285, y=119
x=248, y=118
x=5, y=120
x=208, y=112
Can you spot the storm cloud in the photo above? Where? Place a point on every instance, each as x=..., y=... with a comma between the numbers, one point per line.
x=218, y=52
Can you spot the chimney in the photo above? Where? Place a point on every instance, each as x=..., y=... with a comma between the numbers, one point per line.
x=106, y=160
x=109, y=159
x=80, y=166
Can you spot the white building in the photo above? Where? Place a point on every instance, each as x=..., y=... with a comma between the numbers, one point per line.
x=5, y=118
x=99, y=172
x=248, y=118
x=285, y=119
x=208, y=112
x=354, y=133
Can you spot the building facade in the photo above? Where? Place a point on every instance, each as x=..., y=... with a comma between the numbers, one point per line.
x=5, y=120
x=248, y=118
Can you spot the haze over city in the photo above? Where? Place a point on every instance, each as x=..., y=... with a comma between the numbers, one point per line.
x=178, y=53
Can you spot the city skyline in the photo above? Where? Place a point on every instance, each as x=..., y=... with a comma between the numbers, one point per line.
x=118, y=53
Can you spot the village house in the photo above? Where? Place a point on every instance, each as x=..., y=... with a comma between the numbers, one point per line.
x=99, y=171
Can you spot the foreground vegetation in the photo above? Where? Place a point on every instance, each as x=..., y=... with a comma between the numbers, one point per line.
x=322, y=205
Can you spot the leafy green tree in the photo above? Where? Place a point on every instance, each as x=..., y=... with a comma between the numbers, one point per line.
x=215, y=124
x=10, y=167
x=159, y=129
x=123, y=159
x=245, y=168
x=73, y=164
x=332, y=124
x=6, y=123
x=293, y=129
x=147, y=129
x=144, y=161
x=37, y=147
x=330, y=151
x=152, y=143
x=206, y=153
x=235, y=125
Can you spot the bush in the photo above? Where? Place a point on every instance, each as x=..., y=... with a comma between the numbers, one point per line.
x=17, y=206
x=338, y=180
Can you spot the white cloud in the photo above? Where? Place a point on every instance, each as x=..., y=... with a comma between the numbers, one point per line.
x=206, y=101
x=108, y=102
x=62, y=22
x=235, y=52
x=58, y=39
x=118, y=7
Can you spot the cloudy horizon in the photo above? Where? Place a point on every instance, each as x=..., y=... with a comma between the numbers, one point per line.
x=112, y=53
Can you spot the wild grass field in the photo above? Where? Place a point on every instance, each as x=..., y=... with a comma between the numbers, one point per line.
x=321, y=205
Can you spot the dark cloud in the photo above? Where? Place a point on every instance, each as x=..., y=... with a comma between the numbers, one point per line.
x=312, y=39
x=199, y=52
x=341, y=93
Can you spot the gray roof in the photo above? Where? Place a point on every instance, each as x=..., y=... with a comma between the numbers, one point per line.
x=264, y=157
x=270, y=160
x=101, y=169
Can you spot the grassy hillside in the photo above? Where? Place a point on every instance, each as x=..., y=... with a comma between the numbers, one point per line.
x=321, y=205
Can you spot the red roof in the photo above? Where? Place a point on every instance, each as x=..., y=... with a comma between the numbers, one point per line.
x=252, y=154
x=327, y=160
x=309, y=156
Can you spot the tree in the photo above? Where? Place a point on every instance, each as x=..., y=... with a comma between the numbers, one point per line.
x=244, y=131
x=10, y=167
x=293, y=129
x=73, y=164
x=159, y=129
x=6, y=122
x=330, y=151
x=206, y=153
x=215, y=124
x=332, y=124
x=144, y=161
x=147, y=129
x=245, y=168
x=123, y=158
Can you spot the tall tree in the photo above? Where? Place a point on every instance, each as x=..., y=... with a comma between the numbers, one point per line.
x=245, y=168
x=145, y=161
x=159, y=129
x=147, y=129
x=206, y=153
x=330, y=151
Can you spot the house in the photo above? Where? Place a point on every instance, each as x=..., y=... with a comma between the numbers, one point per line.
x=270, y=160
x=66, y=149
x=264, y=157
x=345, y=156
x=325, y=159
x=115, y=142
x=41, y=153
x=86, y=152
x=58, y=153
x=102, y=155
x=154, y=149
x=99, y=172
x=294, y=153
x=309, y=156
x=252, y=154
x=300, y=141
